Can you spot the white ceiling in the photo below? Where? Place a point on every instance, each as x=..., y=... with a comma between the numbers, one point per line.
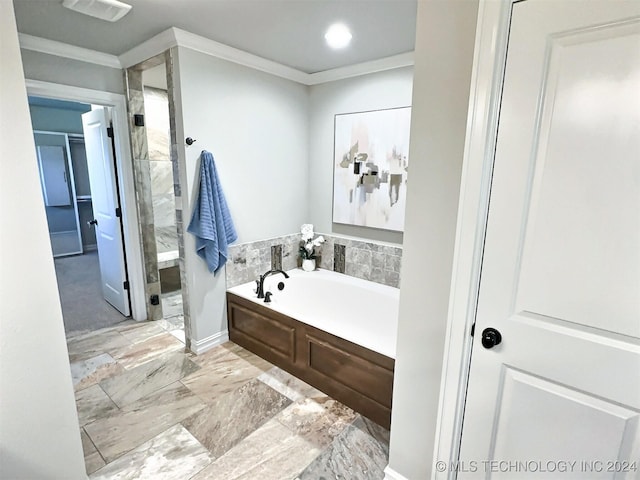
x=290, y=32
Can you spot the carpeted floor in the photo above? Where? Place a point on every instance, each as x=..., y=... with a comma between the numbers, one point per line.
x=83, y=306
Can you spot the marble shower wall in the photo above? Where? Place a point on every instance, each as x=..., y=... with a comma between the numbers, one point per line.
x=371, y=261
x=156, y=105
x=142, y=179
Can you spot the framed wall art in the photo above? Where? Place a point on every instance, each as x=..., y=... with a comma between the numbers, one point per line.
x=371, y=160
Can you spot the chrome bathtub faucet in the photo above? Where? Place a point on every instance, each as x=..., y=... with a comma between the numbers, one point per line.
x=260, y=282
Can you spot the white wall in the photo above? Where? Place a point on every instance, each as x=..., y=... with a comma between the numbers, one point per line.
x=369, y=92
x=39, y=431
x=256, y=126
x=445, y=40
x=51, y=68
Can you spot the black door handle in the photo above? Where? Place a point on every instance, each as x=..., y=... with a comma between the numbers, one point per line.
x=92, y=222
x=491, y=337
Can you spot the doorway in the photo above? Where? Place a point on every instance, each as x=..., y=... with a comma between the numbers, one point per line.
x=117, y=104
x=66, y=187
x=555, y=345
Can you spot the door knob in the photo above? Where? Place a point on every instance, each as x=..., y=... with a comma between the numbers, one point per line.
x=92, y=222
x=491, y=337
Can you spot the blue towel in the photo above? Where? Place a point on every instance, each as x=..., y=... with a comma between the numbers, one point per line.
x=211, y=221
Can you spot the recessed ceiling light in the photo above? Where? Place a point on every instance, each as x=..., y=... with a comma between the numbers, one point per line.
x=109, y=10
x=338, y=36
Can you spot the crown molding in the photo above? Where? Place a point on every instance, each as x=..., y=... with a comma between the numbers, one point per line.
x=365, y=68
x=173, y=37
x=231, y=54
x=149, y=48
x=59, y=49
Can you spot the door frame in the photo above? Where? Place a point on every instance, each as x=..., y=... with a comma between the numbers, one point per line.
x=124, y=166
x=489, y=60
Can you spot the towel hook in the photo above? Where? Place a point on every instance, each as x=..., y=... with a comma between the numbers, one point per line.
x=190, y=141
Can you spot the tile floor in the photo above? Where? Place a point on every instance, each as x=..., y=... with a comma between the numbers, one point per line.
x=149, y=410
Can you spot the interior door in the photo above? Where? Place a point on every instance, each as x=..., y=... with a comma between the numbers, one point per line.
x=104, y=196
x=559, y=379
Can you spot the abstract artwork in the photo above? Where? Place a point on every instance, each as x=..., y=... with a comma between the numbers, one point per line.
x=371, y=157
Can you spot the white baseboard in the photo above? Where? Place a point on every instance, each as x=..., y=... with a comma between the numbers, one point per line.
x=391, y=474
x=201, y=346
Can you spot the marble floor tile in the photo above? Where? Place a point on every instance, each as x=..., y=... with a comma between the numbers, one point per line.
x=288, y=385
x=173, y=454
x=171, y=323
x=138, y=382
x=250, y=357
x=133, y=355
x=142, y=420
x=92, y=459
x=141, y=331
x=375, y=431
x=317, y=421
x=92, y=403
x=353, y=455
x=179, y=334
x=221, y=372
x=83, y=347
x=218, y=354
x=272, y=452
x=83, y=334
x=233, y=416
x=90, y=371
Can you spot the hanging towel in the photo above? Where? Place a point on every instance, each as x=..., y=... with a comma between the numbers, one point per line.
x=211, y=221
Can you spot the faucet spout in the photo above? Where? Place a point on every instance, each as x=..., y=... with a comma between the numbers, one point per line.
x=265, y=275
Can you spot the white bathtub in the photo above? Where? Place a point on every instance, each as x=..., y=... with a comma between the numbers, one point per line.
x=362, y=312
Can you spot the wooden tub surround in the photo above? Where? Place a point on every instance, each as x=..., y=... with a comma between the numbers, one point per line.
x=356, y=376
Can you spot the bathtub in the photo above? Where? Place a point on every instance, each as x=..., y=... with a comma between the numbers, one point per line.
x=336, y=332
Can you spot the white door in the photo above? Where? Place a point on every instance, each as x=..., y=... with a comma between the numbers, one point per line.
x=561, y=268
x=104, y=197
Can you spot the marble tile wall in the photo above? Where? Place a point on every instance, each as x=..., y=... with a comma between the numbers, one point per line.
x=371, y=261
x=142, y=180
x=179, y=176
x=157, y=179
x=156, y=104
x=247, y=261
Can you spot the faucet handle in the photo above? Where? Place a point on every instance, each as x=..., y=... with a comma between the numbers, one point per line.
x=267, y=297
x=257, y=286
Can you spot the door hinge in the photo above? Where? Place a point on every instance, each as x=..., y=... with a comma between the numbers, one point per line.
x=473, y=328
x=126, y=285
x=110, y=132
x=118, y=212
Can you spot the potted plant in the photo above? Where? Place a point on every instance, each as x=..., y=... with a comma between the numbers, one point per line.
x=308, y=247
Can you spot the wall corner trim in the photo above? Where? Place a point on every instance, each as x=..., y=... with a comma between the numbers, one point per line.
x=59, y=49
x=200, y=346
x=391, y=474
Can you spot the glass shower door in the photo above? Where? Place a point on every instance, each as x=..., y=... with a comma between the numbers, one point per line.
x=58, y=191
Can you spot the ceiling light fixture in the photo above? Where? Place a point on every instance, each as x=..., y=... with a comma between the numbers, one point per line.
x=338, y=36
x=109, y=10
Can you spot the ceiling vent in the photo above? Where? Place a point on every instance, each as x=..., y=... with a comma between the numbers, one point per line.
x=109, y=10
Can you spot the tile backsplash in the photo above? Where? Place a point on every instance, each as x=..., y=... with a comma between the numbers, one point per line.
x=376, y=262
